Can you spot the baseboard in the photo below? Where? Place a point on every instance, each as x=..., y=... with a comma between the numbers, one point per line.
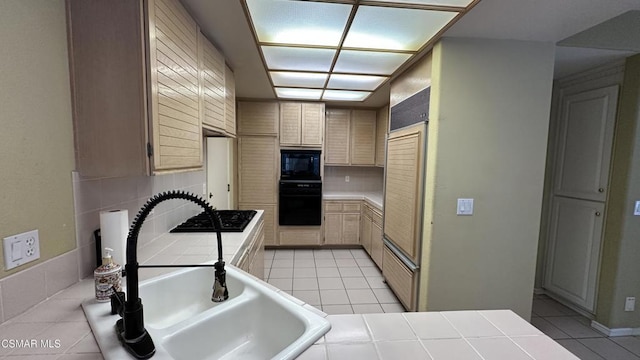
x=538, y=291
x=615, y=332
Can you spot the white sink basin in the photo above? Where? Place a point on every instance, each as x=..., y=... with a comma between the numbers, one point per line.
x=254, y=323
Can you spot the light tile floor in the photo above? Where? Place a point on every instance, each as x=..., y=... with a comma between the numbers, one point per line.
x=335, y=281
x=574, y=332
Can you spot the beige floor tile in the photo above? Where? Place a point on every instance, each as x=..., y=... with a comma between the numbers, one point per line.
x=630, y=343
x=282, y=263
x=346, y=263
x=304, y=273
x=551, y=308
x=355, y=283
x=268, y=254
x=377, y=282
x=371, y=271
x=323, y=254
x=367, y=308
x=365, y=262
x=303, y=254
x=283, y=254
x=350, y=272
x=305, y=283
x=327, y=272
x=337, y=309
x=330, y=283
x=311, y=297
x=281, y=273
x=579, y=350
x=385, y=296
x=393, y=308
x=282, y=284
x=304, y=263
x=608, y=349
x=342, y=254
x=362, y=296
x=334, y=297
x=359, y=254
x=572, y=327
x=323, y=263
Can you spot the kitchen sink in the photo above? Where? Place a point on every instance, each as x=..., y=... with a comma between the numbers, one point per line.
x=256, y=322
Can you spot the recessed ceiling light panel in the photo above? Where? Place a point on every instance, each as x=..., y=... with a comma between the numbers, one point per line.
x=369, y=62
x=301, y=94
x=458, y=3
x=355, y=82
x=344, y=95
x=298, y=22
x=292, y=58
x=377, y=27
x=298, y=79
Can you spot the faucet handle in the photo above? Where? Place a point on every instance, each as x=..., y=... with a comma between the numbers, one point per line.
x=117, y=303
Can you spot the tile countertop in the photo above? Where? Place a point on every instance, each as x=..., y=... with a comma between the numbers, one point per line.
x=473, y=335
x=461, y=335
x=373, y=197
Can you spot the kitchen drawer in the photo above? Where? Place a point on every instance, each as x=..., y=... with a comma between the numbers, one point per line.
x=351, y=207
x=331, y=207
x=376, y=217
x=292, y=236
x=402, y=281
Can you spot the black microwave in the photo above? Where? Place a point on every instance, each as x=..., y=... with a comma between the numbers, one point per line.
x=300, y=164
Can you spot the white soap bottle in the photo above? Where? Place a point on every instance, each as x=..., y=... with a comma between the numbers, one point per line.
x=108, y=277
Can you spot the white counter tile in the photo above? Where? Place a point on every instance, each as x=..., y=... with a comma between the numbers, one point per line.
x=447, y=349
x=347, y=329
x=471, y=324
x=389, y=327
x=362, y=351
x=431, y=325
x=393, y=350
x=499, y=348
x=542, y=347
x=510, y=323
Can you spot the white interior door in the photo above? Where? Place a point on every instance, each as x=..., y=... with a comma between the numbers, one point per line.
x=218, y=174
x=573, y=255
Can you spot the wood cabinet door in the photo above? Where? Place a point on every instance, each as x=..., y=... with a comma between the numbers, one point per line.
x=257, y=161
x=332, y=228
x=258, y=118
x=270, y=220
x=382, y=123
x=363, y=137
x=351, y=229
x=290, y=123
x=584, y=144
x=230, y=101
x=213, y=85
x=403, y=188
x=175, y=88
x=312, y=124
x=573, y=250
x=377, y=245
x=337, y=137
x=365, y=239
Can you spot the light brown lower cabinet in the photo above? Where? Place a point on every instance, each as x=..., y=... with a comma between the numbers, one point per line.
x=342, y=222
x=401, y=279
x=270, y=220
x=300, y=235
x=252, y=260
x=371, y=237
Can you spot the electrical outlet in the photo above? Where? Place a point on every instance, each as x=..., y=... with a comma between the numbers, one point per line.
x=630, y=304
x=21, y=249
x=346, y=178
x=636, y=209
x=204, y=189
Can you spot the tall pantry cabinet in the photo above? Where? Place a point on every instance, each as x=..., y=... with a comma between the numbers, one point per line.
x=139, y=87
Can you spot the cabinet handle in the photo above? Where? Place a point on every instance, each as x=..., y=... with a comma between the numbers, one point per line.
x=601, y=190
x=597, y=213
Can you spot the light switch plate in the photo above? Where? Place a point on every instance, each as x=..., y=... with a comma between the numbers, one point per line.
x=636, y=209
x=21, y=248
x=465, y=207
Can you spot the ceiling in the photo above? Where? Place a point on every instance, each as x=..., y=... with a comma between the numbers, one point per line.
x=588, y=32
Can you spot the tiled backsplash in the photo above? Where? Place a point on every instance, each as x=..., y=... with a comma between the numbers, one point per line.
x=360, y=178
x=94, y=195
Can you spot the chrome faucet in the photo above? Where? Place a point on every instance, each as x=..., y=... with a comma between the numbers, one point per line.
x=130, y=329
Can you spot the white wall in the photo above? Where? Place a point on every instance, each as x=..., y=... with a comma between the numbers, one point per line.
x=488, y=126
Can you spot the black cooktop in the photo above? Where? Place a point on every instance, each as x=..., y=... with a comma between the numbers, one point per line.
x=230, y=220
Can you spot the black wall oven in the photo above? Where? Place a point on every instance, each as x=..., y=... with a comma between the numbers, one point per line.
x=300, y=202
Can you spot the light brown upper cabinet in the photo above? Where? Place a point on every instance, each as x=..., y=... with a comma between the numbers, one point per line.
x=137, y=87
x=229, y=101
x=382, y=125
x=350, y=137
x=258, y=118
x=212, y=75
x=301, y=124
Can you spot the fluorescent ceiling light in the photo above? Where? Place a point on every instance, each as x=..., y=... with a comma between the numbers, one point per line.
x=369, y=62
x=295, y=58
x=302, y=94
x=298, y=79
x=459, y=3
x=344, y=95
x=299, y=22
x=376, y=27
x=355, y=82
